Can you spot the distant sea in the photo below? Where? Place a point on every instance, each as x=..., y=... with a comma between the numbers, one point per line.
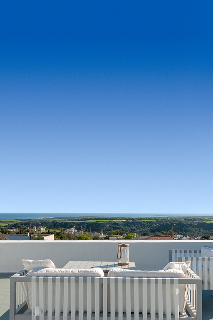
x=13, y=216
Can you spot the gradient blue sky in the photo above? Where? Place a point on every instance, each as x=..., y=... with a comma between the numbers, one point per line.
x=106, y=106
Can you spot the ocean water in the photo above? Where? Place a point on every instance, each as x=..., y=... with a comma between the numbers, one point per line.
x=13, y=216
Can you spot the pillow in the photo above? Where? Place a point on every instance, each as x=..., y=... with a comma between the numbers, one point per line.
x=32, y=264
x=146, y=274
x=58, y=272
x=206, y=252
x=183, y=266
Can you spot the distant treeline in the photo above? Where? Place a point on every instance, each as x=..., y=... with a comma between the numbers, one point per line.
x=192, y=227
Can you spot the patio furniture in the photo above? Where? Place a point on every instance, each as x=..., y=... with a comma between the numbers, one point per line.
x=57, y=295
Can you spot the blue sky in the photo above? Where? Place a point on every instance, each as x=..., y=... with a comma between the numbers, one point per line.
x=106, y=107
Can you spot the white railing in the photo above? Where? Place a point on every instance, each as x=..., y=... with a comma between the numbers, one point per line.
x=191, y=293
x=174, y=254
x=21, y=294
x=68, y=298
x=202, y=266
x=18, y=298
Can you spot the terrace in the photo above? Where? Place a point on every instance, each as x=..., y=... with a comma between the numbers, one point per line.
x=147, y=255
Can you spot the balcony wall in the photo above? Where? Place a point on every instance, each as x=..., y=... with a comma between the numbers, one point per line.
x=148, y=255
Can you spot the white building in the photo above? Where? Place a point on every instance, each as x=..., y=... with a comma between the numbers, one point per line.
x=71, y=230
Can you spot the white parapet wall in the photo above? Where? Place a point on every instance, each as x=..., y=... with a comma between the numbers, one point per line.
x=147, y=254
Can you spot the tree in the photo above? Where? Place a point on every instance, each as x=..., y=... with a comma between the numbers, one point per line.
x=3, y=237
x=84, y=236
x=205, y=237
x=4, y=230
x=171, y=233
x=22, y=229
x=130, y=236
x=96, y=237
x=39, y=237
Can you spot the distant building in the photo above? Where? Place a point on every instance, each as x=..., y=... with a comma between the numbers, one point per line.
x=99, y=235
x=13, y=231
x=41, y=229
x=34, y=228
x=178, y=237
x=142, y=237
x=71, y=230
x=116, y=237
x=48, y=237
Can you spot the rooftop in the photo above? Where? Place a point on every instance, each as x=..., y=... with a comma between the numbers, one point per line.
x=156, y=253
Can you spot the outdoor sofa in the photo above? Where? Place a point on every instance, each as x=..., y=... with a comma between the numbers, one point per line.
x=66, y=294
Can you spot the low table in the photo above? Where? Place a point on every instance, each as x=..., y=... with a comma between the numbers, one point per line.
x=106, y=266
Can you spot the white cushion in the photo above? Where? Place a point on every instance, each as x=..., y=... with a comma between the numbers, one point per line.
x=206, y=252
x=146, y=274
x=32, y=264
x=57, y=272
x=178, y=266
x=53, y=272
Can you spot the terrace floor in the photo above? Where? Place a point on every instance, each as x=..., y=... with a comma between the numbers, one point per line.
x=4, y=296
x=5, y=300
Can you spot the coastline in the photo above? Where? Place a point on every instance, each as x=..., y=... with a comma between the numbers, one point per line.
x=14, y=216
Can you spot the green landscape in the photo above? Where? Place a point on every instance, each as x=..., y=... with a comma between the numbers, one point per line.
x=193, y=227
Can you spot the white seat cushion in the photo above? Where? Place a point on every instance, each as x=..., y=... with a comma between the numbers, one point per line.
x=146, y=274
x=58, y=272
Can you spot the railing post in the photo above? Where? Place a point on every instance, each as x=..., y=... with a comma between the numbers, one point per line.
x=152, y=304
x=170, y=255
x=89, y=300
x=104, y=298
x=199, y=300
x=50, y=292
x=112, y=298
x=12, y=298
x=168, y=298
x=97, y=309
x=176, y=299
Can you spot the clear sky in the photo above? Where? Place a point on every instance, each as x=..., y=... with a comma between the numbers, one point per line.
x=106, y=106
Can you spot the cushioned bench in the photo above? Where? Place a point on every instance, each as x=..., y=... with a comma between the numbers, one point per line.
x=53, y=294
